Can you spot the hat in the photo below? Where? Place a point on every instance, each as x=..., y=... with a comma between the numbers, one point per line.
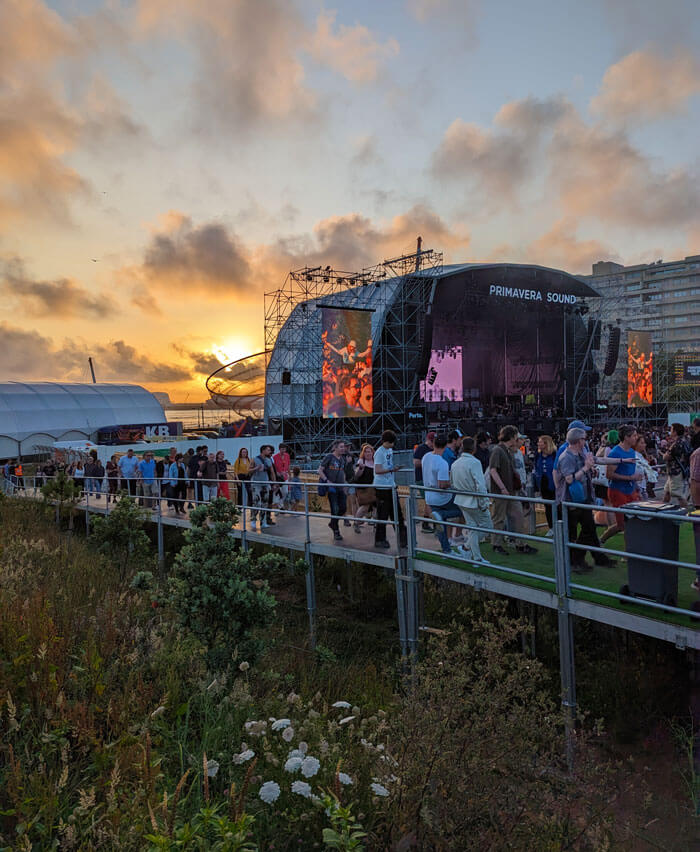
x=579, y=424
x=430, y=436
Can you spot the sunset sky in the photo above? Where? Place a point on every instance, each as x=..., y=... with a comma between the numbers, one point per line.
x=163, y=163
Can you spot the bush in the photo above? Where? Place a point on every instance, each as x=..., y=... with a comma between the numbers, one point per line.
x=121, y=535
x=216, y=591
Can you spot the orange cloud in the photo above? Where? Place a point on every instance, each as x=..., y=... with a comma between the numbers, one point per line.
x=645, y=85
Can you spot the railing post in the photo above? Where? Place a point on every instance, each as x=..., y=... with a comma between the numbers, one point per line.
x=244, y=516
x=87, y=512
x=566, y=634
x=395, y=507
x=310, y=573
x=161, y=548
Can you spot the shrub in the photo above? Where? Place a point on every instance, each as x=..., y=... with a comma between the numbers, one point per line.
x=121, y=535
x=216, y=591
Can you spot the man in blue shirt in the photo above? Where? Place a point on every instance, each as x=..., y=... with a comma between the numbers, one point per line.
x=147, y=471
x=128, y=466
x=623, y=478
x=450, y=452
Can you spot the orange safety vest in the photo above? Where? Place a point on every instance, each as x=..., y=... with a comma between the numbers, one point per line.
x=18, y=470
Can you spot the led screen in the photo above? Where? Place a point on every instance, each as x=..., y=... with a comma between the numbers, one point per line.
x=640, y=389
x=443, y=381
x=346, y=335
x=687, y=368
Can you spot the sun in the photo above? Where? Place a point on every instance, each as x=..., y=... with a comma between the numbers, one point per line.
x=230, y=350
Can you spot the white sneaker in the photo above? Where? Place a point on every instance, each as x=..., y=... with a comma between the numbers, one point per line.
x=549, y=533
x=264, y=525
x=253, y=526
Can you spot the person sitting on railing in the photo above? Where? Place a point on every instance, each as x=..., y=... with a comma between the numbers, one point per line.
x=575, y=485
x=467, y=475
x=436, y=477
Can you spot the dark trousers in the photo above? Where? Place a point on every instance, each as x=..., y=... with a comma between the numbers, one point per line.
x=547, y=494
x=339, y=503
x=131, y=486
x=582, y=530
x=385, y=512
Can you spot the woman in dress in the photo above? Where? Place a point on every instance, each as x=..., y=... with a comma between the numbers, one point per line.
x=222, y=467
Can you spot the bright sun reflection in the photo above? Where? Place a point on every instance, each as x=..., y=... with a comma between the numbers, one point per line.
x=230, y=350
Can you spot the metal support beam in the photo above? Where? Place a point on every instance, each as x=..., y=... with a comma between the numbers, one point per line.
x=566, y=637
x=161, y=546
x=311, y=597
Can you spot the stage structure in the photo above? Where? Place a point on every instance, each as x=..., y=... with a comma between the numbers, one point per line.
x=395, y=293
x=240, y=385
x=465, y=344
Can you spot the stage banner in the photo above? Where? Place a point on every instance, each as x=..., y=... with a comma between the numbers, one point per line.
x=346, y=335
x=640, y=389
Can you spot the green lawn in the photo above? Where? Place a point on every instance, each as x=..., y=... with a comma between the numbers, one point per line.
x=607, y=579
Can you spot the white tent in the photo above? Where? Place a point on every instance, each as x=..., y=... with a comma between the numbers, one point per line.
x=39, y=413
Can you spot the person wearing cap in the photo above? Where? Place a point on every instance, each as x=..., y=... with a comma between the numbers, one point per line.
x=575, y=485
x=422, y=450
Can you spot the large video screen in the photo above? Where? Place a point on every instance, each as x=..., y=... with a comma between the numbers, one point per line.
x=443, y=381
x=346, y=335
x=687, y=368
x=640, y=386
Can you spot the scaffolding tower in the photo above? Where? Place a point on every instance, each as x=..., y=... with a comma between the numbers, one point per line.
x=397, y=291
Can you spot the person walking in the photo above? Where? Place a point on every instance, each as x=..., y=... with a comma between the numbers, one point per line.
x=332, y=471
x=128, y=467
x=260, y=478
x=544, y=474
x=504, y=482
x=209, y=476
x=623, y=478
x=436, y=476
x=176, y=485
x=112, y=471
x=483, y=449
x=365, y=494
x=467, y=475
x=149, y=480
x=384, y=485
x=575, y=485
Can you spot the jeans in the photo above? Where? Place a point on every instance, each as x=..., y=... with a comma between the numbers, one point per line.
x=209, y=492
x=260, y=498
x=93, y=486
x=444, y=513
x=385, y=512
x=338, y=503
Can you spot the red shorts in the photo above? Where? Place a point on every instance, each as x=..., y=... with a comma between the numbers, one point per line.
x=617, y=499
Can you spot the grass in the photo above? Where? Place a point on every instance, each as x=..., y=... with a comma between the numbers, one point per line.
x=605, y=579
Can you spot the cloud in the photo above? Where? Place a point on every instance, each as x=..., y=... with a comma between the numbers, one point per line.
x=351, y=51
x=61, y=298
x=34, y=357
x=207, y=257
x=247, y=70
x=646, y=86
x=497, y=161
x=43, y=120
x=560, y=247
x=202, y=363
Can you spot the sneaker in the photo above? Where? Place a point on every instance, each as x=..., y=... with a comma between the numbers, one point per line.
x=253, y=526
x=461, y=550
x=385, y=544
x=695, y=585
x=347, y=523
x=549, y=534
x=337, y=536
x=458, y=539
x=357, y=528
x=527, y=550
x=426, y=527
x=264, y=525
x=498, y=549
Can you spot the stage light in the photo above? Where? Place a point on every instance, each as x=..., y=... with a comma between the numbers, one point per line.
x=309, y=277
x=339, y=280
x=326, y=279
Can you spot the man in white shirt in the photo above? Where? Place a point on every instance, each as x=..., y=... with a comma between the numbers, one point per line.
x=467, y=474
x=384, y=485
x=436, y=476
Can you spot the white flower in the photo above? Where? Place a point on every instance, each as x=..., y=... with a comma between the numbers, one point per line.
x=281, y=724
x=342, y=704
x=344, y=779
x=212, y=768
x=255, y=729
x=244, y=756
x=244, y=666
x=269, y=792
x=303, y=747
x=346, y=720
x=302, y=788
x=309, y=767
x=379, y=790
x=293, y=764
x=288, y=734
x=296, y=752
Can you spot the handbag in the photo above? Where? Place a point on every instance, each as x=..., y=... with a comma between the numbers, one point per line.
x=322, y=488
x=365, y=496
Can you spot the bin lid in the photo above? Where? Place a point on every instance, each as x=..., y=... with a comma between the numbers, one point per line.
x=654, y=506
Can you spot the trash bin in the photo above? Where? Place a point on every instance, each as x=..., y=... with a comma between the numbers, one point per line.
x=652, y=536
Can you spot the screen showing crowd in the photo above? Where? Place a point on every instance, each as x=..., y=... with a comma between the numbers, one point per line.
x=640, y=388
x=346, y=335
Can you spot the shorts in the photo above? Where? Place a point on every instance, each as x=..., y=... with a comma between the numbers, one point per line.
x=617, y=500
x=676, y=487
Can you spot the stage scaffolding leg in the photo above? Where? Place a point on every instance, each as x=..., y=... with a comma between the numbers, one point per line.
x=310, y=573
x=161, y=547
x=566, y=638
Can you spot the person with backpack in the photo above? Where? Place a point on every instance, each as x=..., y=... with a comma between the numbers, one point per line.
x=677, y=459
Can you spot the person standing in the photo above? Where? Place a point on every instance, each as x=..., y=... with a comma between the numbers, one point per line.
x=194, y=471
x=436, y=476
x=176, y=486
x=467, y=475
x=149, y=481
x=222, y=473
x=623, y=478
x=575, y=485
x=483, y=449
x=420, y=451
x=365, y=495
x=695, y=435
x=260, y=477
x=112, y=471
x=209, y=471
x=451, y=448
x=241, y=473
x=332, y=471
x=677, y=459
x=92, y=481
x=384, y=485
x=128, y=467
x=544, y=474
x=282, y=462
x=503, y=481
